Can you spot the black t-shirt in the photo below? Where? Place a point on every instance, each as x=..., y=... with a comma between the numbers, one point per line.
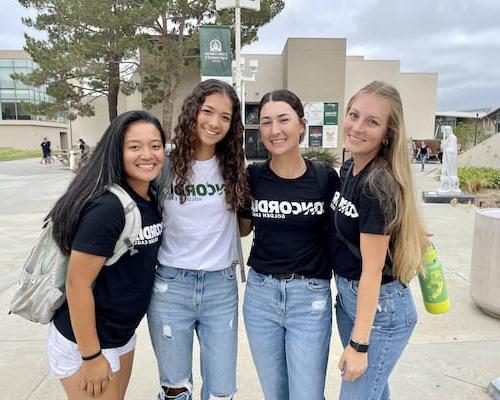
x=121, y=291
x=290, y=218
x=423, y=150
x=359, y=211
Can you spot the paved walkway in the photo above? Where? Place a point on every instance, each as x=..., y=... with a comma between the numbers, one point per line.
x=451, y=356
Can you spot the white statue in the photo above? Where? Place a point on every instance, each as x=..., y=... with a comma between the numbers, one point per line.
x=449, y=177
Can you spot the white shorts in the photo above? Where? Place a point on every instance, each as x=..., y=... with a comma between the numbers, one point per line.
x=65, y=359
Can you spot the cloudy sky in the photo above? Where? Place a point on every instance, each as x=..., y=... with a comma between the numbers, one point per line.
x=458, y=39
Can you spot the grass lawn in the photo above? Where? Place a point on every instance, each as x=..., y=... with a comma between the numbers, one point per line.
x=6, y=153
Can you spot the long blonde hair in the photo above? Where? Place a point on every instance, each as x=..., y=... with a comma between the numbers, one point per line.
x=390, y=180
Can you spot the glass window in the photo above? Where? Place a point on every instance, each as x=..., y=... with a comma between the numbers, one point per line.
x=22, y=94
x=7, y=94
x=5, y=80
x=251, y=114
x=8, y=110
x=21, y=113
x=6, y=63
x=19, y=84
x=21, y=63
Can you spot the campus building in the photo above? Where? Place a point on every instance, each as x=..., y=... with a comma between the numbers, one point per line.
x=18, y=128
x=487, y=119
x=320, y=73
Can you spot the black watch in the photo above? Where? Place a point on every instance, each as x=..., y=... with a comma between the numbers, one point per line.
x=359, y=347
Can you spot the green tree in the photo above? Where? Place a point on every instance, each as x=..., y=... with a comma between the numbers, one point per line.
x=90, y=49
x=172, y=51
x=466, y=132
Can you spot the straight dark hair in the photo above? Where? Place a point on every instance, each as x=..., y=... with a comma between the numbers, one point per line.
x=103, y=169
x=288, y=97
x=283, y=95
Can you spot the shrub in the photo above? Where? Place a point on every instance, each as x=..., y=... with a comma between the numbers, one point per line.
x=328, y=158
x=475, y=179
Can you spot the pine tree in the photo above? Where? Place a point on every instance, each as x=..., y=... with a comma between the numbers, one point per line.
x=90, y=49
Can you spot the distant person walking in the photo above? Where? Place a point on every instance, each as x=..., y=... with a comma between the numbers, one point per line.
x=84, y=151
x=46, y=151
x=423, y=153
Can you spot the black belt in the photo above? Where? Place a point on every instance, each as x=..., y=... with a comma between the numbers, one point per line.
x=287, y=277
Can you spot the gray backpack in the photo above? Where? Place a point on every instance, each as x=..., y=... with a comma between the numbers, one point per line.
x=41, y=287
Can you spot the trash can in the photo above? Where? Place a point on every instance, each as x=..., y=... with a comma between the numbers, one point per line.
x=485, y=261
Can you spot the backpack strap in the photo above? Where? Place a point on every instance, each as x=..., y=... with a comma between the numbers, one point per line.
x=254, y=171
x=132, y=228
x=322, y=177
x=163, y=181
x=241, y=259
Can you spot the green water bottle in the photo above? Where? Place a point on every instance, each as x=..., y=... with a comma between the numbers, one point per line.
x=433, y=285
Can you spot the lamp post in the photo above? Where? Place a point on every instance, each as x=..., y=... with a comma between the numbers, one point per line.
x=237, y=47
x=237, y=5
x=475, y=131
x=254, y=65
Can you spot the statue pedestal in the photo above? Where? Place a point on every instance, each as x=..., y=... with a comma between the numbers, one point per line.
x=443, y=197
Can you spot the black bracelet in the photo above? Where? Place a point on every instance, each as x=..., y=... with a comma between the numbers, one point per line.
x=92, y=356
x=358, y=346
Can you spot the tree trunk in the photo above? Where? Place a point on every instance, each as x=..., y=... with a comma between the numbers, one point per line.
x=168, y=109
x=114, y=87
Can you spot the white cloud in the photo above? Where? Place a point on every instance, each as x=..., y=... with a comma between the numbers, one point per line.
x=458, y=39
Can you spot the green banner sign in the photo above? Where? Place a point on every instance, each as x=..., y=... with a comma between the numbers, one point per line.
x=331, y=113
x=215, y=50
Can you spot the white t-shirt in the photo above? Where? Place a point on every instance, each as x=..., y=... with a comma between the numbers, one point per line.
x=199, y=234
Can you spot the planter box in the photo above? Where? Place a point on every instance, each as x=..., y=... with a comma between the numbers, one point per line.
x=485, y=262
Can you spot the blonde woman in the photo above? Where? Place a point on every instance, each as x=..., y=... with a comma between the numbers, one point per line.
x=378, y=245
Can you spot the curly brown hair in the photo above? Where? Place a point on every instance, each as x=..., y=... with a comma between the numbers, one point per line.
x=229, y=150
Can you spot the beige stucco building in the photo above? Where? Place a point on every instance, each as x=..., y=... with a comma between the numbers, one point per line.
x=318, y=71
x=19, y=129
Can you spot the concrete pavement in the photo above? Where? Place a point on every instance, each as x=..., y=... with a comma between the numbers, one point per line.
x=452, y=356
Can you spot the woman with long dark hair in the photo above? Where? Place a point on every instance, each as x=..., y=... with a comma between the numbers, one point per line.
x=195, y=288
x=379, y=243
x=92, y=336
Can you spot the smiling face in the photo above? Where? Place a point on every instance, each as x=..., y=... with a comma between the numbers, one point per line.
x=280, y=128
x=143, y=155
x=212, y=123
x=365, y=125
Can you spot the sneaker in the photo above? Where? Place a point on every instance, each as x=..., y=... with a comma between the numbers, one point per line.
x=181, y=396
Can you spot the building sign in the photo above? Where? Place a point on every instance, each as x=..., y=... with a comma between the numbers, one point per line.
x=314, y=111
x=215, y=51
x=315, y=136
x=322, y=124
x=251, y=4
x=331, y=113
x=330, y=136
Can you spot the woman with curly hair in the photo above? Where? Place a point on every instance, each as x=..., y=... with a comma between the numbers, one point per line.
x=195, y=288
x=379, y=243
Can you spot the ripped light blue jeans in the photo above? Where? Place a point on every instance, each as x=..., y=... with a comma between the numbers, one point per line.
x=395, y=319
x=187, y=301
x=289, y=325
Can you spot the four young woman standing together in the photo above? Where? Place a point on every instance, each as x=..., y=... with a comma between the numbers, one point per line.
x=307, y=223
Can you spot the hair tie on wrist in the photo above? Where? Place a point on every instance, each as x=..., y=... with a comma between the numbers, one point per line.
x=92, y=356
